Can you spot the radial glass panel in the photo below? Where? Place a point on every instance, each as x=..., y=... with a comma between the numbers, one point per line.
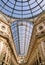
x=22, y=8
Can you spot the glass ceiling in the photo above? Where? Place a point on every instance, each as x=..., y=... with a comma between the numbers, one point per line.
x=22, y=8
x=22, y=32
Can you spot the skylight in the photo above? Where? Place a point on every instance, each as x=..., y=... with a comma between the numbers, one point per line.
x=22, y=8
x=22, y=32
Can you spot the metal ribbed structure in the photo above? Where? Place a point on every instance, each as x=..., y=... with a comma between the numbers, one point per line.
x=22, y=8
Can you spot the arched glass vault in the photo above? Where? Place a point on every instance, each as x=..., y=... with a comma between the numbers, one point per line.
x=22, y=31
x=22, y=8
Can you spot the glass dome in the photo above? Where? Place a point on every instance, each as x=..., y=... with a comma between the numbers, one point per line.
x=22, y=8
x=22, y=32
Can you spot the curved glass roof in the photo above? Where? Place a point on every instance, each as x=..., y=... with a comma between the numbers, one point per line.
x=22, y=8
x=22, y=31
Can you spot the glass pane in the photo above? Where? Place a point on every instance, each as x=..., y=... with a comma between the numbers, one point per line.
x=22, y=8
x=22, y=31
